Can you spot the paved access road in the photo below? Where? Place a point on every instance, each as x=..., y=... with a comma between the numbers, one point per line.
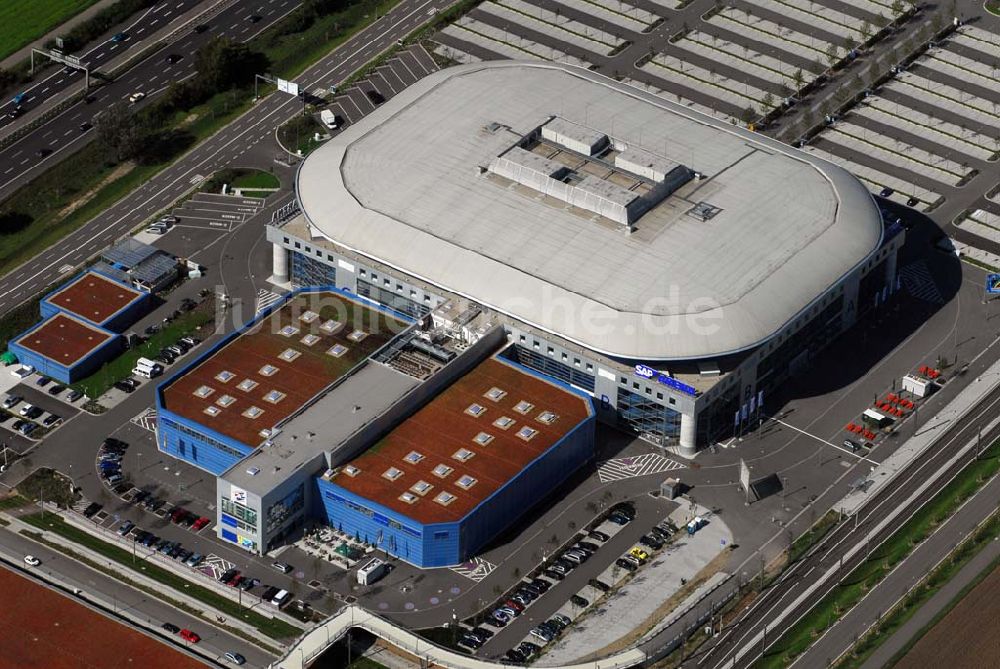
x=72, y=129
x=793, y=594
x=221, y=150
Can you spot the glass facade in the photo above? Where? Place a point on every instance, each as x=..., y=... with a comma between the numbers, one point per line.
x=280, y=511
x=306, y=271
x=775, y=368
x=392, y=300
x=644, y=416
x=548, y=366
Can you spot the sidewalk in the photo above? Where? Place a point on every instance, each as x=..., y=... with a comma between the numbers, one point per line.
x=25, y=52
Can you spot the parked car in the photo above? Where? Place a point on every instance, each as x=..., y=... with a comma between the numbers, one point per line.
x=618, y=519
x=73, y=395
x=600, y=585
x=11, y=401
x=42, y=381
x=651, y=542
x=639, y=554
x=51, y=420
x=228, y=574
x=529, y=649
x=33, y=413
x=553, y=574
x=91, y=510
x=27, y=428
x=200, y=523
x=659, y=533
x=626, y=565
x=515, y=655
x=125, y=528
x=283, y=567
x=470, y=641
x=25, y=409
x=563, y=620
x=624, y=508
x=189, y=636
x=194, y=559
x=579, y=601
x=514, y=604
x=56, y=389
x=482, y=633
x=542, y=633
x=588, y=545
x=31, y=561
x=170, y=627
x=124, y=387
x=541, y=584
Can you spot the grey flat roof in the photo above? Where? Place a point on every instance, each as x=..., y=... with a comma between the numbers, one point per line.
x=129, y=252
x=404, y=187
x=355, y=402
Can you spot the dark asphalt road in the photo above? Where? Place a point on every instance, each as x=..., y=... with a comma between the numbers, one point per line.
x=741, y=642
x=65, y=133
x=221, y=150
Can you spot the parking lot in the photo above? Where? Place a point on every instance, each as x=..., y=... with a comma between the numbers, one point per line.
x=45, y=407
x=929, y=129
x=403, y=69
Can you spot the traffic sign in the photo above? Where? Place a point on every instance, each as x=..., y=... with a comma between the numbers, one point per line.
x=993, y=283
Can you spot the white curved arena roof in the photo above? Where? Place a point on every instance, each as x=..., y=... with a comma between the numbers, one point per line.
x=408, y=186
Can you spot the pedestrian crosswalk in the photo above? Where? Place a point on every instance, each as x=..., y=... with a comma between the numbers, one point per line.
x=146, y=420
x=475, y=569
x=919, y=283
x=266, y=298
x=636, y=465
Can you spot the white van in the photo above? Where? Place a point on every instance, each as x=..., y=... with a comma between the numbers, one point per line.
x=147, y=369
x=281, y=598
x=147, y=363
x=329, y=119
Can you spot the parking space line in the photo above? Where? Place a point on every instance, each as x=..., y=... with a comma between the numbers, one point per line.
x=387, y=90
x=351, y=118
x=402, y=61
x=820, y=439
x=389, y=74
x=361, y=94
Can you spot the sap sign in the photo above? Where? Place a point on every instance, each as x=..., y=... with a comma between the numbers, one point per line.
x=645, y=372
x=650, y=373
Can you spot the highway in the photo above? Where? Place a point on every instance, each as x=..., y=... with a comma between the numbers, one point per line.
x=72, y=129
x=103, y=51
x=221, y=150
x=794, y=593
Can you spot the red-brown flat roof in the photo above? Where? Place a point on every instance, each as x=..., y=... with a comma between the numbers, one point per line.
x=94, y=297
x=46, y=630
x=64, y=339
x=297, y=380
x=445, y=425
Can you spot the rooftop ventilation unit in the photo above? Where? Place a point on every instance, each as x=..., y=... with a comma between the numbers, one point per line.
x=703, y=211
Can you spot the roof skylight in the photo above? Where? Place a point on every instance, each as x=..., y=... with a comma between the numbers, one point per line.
x=444, y=498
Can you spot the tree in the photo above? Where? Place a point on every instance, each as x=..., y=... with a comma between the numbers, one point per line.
x=767, y=102
x=850, y=43
x=799, y=78
x=748, y=115
x=832, y=55
x=896, y=8
x=118, y=132
x=866, y=31
x=223, y=64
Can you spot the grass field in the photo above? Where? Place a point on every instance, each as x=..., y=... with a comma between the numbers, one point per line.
x=100, y=381
x=22, y=21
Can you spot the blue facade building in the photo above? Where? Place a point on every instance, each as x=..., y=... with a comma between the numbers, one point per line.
x=465, y=467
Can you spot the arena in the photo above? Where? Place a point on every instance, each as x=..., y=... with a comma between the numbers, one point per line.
x=676, y=268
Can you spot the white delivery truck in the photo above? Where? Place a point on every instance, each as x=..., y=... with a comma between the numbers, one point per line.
x=329, y=119
x=146, y=368
x=372, y=571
